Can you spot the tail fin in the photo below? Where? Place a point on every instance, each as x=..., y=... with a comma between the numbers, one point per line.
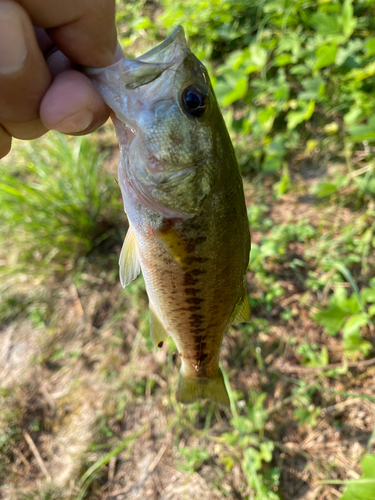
x=191, y=389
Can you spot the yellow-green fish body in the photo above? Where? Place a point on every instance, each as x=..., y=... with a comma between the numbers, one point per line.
x=184, y=198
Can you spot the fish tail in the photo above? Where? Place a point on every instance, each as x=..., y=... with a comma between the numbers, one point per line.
x=191, y=389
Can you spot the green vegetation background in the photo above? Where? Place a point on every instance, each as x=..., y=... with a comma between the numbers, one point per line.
x=296, y=82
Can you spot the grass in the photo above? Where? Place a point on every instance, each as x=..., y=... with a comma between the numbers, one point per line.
x=78, y=374
x=59, y=203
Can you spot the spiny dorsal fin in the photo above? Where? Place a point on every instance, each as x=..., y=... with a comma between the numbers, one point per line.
x=243, y=313
x=129, y=260
x=157, y=330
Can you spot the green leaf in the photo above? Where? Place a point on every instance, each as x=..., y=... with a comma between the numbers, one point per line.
x=326, y=24
x=258, y=54
x=310, y=110
x=283, y=59
x=363, y=488
x=354, y=303
x=348, y=21
x=314, y=88
x=283, y=185
x=324, y=189
x=238, y=92
x=359, y=74
x=282, y=91
x=351, y=48
x=340, y=298
x=258, y=58
x=325, y=55
x=266, y=449
x=332, y=318
x=230, y=438
x=354, y=323
x=370, y=47
x=351, y=117
x=368, y=295
x=143, y=23
x=266, y=114
x=275, y=153
x=360, y=133
x=303, y=113
x=300, y=69
x=368, y=466
x=243, y=424
x=352, y=344
x=255, y=254
x=351, y=331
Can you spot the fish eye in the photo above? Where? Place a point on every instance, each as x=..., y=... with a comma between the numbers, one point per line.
x=194, y=101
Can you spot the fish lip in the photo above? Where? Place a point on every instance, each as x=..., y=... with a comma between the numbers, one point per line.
x=177, y=35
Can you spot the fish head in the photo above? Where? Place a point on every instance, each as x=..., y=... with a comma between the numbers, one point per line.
x=166, y=121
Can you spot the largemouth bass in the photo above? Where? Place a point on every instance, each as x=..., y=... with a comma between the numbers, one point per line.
x=183, y=195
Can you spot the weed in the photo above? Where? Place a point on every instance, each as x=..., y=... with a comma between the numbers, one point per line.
x=364, y=487
x=87, y=478
x=350, y=315
x=61, y=205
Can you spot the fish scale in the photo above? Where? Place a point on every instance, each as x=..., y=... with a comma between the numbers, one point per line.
x=184, y=199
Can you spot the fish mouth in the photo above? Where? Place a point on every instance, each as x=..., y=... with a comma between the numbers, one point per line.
x=165, y=52
x=135, y=73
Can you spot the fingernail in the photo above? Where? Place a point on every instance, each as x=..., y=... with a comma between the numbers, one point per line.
x=76, y=123
x=13, y=48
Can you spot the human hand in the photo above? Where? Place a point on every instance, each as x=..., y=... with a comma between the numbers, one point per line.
x=39, y=87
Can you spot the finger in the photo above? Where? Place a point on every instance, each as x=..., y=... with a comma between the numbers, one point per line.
x=5, y=142
x=83, y=30
x=72, y=105
x=24, y=75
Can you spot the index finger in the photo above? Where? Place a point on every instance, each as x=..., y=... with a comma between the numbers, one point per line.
x=84, y=30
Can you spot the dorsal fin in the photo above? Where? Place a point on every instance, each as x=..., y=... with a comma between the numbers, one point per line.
x=243, y=313
x=129, y=260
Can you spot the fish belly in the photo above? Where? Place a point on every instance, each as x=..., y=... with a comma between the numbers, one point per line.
x=194, y=291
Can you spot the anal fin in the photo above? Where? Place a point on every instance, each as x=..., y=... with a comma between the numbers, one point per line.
x=243, y=313
x=190, y=390
x=129, y=260
x=157, y=331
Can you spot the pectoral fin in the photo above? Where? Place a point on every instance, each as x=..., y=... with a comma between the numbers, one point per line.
x=243, y=313
x=157, y=330
x=129, y=260
x=171, y=241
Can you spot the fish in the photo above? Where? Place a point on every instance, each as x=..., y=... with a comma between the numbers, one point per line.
x=184, y=199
